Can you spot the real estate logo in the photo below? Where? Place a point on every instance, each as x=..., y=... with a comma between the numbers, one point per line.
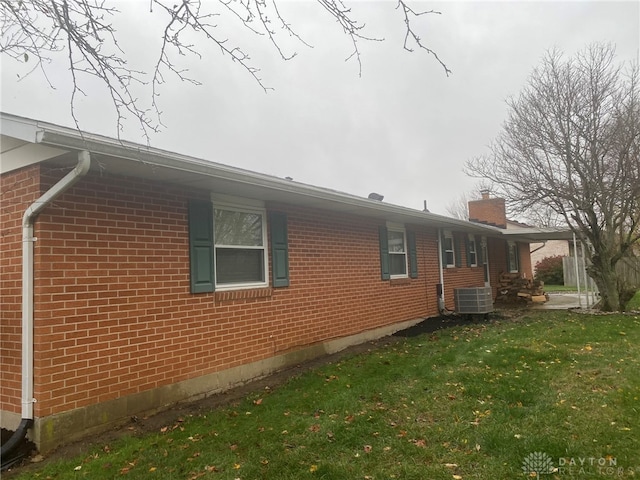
x=538, y=463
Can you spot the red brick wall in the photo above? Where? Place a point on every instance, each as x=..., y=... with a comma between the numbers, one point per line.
x=113, y=310
x=17, y=190
x=490, y=211
x=463, y=276
x=498, y=260
x=497, y=251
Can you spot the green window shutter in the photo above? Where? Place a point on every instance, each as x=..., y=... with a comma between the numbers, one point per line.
x=413, y=254
x=384, y=253
x=457, y=250
x=279, y=249
x=479, y=250
x=443, y=250
x=201, y=246
x=467, y=246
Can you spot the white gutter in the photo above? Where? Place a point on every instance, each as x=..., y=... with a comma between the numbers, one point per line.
x=84, y=162
x=544, y=244
x=54, y=136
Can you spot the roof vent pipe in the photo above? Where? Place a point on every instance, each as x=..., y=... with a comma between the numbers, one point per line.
x=81, y=169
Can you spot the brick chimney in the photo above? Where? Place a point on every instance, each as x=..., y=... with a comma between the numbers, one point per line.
x=490, y=211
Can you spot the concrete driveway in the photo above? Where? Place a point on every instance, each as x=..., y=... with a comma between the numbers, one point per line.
x=562, y=301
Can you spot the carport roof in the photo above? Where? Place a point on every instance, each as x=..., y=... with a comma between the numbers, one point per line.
x=537, y=234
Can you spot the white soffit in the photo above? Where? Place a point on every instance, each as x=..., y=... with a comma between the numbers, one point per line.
x=15, y=153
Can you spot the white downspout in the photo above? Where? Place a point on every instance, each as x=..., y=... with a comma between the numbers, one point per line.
x=84, y=162
x=441, y=307
x=575, y=253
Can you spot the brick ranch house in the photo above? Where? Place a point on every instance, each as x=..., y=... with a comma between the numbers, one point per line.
x=135, y=278
x=524, y=242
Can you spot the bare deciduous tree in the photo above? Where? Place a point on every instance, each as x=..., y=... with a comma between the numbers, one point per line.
x=571, y=143
x=35, y=29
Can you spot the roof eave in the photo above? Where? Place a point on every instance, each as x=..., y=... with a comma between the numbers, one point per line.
x=72, y=139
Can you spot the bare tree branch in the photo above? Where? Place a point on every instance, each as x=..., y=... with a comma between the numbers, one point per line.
x=411, y=33
x=35, y=30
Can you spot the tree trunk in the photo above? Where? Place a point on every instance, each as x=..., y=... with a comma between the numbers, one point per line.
x=607, y=281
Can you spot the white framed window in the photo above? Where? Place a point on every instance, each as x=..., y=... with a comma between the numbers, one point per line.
x=449, y=250
x=240, y=247
x=397, y=239
x=513, y=257
x=472, y=252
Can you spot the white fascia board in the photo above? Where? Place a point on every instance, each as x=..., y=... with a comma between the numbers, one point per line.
x=17, y=127
x=19, y=144
x=534, y=234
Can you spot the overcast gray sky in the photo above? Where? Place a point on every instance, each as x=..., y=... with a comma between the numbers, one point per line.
x=403, y=129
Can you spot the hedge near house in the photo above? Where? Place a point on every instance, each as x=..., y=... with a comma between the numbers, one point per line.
x=549, y=270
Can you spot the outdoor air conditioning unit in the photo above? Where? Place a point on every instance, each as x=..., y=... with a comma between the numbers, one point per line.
x=475, y=300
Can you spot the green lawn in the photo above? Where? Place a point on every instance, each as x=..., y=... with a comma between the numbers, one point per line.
x=634, y=303
x=475, y=402
x=560, y=288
